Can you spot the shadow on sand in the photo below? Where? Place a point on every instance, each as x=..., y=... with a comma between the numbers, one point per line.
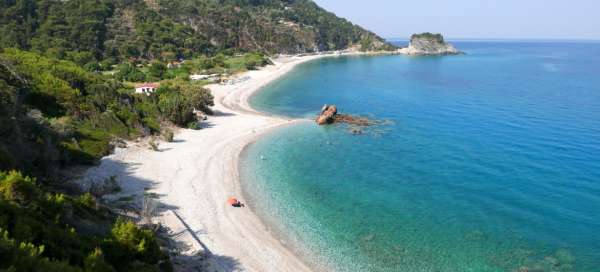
x=223, y=114
x=137, y=202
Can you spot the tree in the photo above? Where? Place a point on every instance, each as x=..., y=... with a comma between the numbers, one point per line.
x=157, y=70
x=128, y=72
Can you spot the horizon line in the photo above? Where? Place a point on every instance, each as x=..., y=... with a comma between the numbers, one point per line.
x=506, y=39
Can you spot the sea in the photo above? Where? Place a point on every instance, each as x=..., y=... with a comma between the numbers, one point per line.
x=487, y=161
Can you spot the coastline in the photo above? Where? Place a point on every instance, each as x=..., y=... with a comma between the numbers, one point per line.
x=195, y=175
x=204, y=234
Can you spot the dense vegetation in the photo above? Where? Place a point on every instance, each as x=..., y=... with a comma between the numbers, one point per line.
x=47, y=232
x=101, y=32
x=438, y=38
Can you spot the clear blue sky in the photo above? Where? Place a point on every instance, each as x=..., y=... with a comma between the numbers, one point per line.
x=532, y=19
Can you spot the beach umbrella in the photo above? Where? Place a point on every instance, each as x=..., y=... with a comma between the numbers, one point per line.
x=233, y=201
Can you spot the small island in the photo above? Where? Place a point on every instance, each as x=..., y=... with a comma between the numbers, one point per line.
x=429, y=44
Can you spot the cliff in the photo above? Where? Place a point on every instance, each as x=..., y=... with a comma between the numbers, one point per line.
x=429, y=44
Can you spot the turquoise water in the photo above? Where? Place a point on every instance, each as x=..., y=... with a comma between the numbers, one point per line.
x=490, y=161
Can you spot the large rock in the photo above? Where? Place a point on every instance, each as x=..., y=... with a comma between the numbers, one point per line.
x=327, y=115
x=429, y=44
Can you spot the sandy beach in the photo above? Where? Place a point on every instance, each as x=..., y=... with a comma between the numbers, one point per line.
x=194, y=176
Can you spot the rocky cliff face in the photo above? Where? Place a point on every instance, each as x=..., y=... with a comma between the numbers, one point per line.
x=429, y=44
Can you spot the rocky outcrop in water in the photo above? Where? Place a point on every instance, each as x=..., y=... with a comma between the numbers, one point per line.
x=429, y=44
x=327, y=115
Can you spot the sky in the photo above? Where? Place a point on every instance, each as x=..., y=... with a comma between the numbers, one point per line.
x=474, y=19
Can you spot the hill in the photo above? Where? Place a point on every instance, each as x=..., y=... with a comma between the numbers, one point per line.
x=84, y=30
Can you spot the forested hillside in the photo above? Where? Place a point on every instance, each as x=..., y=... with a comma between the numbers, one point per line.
x=88, y=30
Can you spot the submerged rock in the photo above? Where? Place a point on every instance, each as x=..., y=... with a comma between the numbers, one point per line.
x=429, y=44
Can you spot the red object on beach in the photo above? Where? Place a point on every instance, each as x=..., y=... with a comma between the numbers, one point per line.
x=233, y=202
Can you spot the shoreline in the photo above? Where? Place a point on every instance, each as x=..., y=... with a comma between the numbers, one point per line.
x=195, y=175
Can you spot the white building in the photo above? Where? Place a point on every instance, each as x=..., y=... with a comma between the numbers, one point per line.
x=146, y=88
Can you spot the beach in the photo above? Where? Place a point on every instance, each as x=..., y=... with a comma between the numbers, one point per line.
x=193, y=176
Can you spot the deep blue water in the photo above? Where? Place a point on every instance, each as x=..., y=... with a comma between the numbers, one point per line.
x=488, y=161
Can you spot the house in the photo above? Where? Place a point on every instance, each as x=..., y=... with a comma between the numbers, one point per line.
x=146, y=88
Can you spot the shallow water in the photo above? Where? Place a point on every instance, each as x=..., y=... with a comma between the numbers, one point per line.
x=490, y=161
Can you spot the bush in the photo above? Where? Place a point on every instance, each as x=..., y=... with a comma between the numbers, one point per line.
x=81, y=58
x=64, y=126
x=175, y=107
x=27, y=257
x=17, y=188
x=36, y=233
x=178, y=99
x=95, y=262
x=92, y=67
x=107, y=64
x=194, y=125
x=168, y=135
x=157, y=70
x=128, y=72
x=87, y=200
x=152, y=144
x=129, y=243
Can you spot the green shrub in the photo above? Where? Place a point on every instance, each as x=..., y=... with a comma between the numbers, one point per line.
x=107, y=64
x=92, y=66
x=178, y=99
x=152, y=123
x=157, y=70
x=128, y=72
x=168, y=135
x=17, y=188
x=152, y=144
x=87, y=200
x=175, y=107
x=17, y=256
x=193, y=125
x=64, y=125
x=81, y=57
x=42, y=231
x=109, y=123
x=129, y=242
x=95, y=262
